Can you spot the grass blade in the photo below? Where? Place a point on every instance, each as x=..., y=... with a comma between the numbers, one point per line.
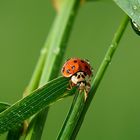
x=72, y=117
x=12, y=134
x=131, y=8
x=101, y=71
x=56, y=46
x=59, y=36
x=15, y=134
x=37, y=100
x=66, y=132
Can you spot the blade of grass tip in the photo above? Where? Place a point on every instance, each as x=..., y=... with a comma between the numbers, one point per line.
x=73, y=116
x=57, y=45
x=53, y=91
x=100, y=73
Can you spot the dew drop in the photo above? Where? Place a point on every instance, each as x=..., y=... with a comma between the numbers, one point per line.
x=56, y=50
x=26, y=112
x=135, y=7
x=24, y=105
x=111, y=45
x=12, y=112
x=19, y=125
x=107, y=58
x=43, y=51
x=18, y=115
x=131, y=13
x=32, y=107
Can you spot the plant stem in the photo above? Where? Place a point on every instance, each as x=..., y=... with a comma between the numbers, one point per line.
x=100, y=73
x=56, y=45
x=34, y=82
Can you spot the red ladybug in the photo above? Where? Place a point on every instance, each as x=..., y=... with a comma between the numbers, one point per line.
x=80, y=72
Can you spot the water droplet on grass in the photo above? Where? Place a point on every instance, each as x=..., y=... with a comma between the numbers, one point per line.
x=131, y=13
x=135, y=7
x=43, y=51
x=107, y=58
x=56, y=50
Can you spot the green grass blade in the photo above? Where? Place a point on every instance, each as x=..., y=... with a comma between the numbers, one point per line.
x=101, y=71
x=3, y=106
x=33, y=127
x=34, y=82
x=66, y=131
x=12, y=134
x=37, y=100
x=72, y=117
x=131, y=8
x=59, y=36
x=56, y=46
x=15, y=134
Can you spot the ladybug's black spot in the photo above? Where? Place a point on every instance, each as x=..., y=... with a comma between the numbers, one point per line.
x=82, y=61
x=68, y=71
x=73, y=67
x=63, y=69
x=75, y=61
x=83, y=76
x=78, y=76
x=86, y=67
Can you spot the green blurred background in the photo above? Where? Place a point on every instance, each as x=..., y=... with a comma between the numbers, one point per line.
x=115, y=111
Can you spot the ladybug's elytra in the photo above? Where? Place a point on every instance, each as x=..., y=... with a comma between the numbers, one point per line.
x=80, y=72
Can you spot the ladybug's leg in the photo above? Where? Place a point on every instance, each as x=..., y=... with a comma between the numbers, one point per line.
x=86, y=87
x=71, y=84
x=82, y=87
x=85, y=95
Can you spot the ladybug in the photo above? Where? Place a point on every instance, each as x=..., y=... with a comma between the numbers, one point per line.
x=80, y=72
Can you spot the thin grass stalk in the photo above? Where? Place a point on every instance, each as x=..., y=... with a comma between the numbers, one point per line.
x=66, y=131
x=101, y=71
x=40, y=98
x=57, y=45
